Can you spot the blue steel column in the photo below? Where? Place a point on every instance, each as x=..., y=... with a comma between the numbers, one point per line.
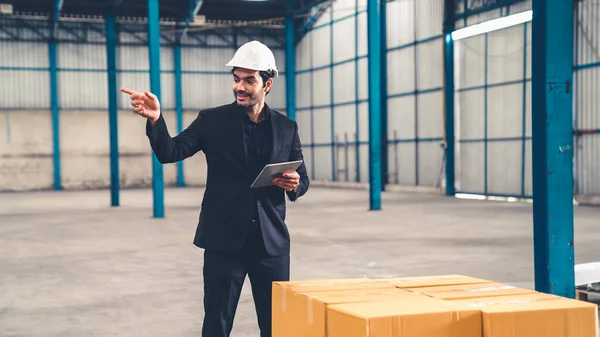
x=55, y=111
x=374, y=60
x=154, y=54
x=384, y=98
x=449, y=11
x=290, y=62
x=552, y=119
x=111, y=67
x=178, y=106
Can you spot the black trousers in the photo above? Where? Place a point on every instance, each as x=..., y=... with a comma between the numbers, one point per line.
x=224, y=275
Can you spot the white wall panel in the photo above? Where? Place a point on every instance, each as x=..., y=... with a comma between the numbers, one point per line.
x=167, y=91
x=205, y=91
x=323, y=163
x=345, y=122
x=401, y=117
x=401, y=71
x=431, y=115
x=23, y=54
x=321, y=47
x=304, y=120
x=322, y=126
x=364, y=163
x=279, y=58
x=363, y=122
x=505, y=111
x=133, y=58
x=505, y=55
x=344, y=83
x=401, y=163
x=430, y=16
x=504, y=167
x=24, y=89
x=303, y=90
x=200, y=59
x=430, y=62
x=363, y=79
x=167, y=62
x=471, y=171
x=400, y=22
x=81, y=56
x=430, y=159
x=304, y=52
x=588, y=164
x=79, y=89
x=362, y=34
x=276, y=98
x=321, y=87
x=470, y=61
x=344, y=40
x=528, y=169
x=471, y=114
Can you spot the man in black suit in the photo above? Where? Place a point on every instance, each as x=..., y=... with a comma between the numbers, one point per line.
x=242, y=229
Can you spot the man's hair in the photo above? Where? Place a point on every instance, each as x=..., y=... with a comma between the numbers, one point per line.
x=265, y=75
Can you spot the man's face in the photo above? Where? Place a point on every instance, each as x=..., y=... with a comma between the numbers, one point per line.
x=248, y=88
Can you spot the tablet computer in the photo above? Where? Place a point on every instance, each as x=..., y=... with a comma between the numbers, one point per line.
x=270, y=171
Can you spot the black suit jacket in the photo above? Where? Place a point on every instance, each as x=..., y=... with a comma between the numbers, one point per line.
x=229, y=204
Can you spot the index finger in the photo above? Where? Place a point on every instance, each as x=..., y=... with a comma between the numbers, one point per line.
x=128, y=91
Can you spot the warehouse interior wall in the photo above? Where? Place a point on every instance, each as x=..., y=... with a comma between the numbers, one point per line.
x=26, y=131
x=332, y=91
x=586, y=108
x=492, y=102
x=493, y=108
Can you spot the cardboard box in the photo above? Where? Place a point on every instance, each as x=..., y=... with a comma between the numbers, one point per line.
x=282, y=291
x=308, y=310
x=533, y=315
x=402, y=319
x=433, y=281
x=546, y=318
x=457, y=292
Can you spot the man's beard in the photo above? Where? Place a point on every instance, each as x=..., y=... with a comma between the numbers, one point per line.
x=246, y=103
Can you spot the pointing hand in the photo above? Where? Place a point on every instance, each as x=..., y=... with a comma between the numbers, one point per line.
x=144, y=104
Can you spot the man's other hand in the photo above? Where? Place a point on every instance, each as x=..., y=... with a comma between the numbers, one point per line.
x=288, y=181
x=144, y=104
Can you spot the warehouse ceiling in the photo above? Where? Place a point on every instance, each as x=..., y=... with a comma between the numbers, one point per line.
x=170, y=10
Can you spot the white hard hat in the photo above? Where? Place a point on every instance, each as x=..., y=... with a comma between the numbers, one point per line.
x=255, y=56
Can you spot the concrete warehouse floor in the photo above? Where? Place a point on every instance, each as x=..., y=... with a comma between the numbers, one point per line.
x=71, y=266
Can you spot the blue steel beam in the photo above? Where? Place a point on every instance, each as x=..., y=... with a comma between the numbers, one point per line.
x=195, y=7
x=52, y=55
x=178, y=105
x=552, y=119
x=154, y=57
x=111, y=67
x=290, y=62
x=55, y=15
x=449, y=25
x=374, y=59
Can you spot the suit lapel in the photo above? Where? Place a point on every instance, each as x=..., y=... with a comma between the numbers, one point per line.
x=277, y=133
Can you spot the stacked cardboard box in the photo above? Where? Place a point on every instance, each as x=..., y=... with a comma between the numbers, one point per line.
x=432, y=306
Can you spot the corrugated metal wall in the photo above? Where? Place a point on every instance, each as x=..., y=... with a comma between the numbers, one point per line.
x=493, y=109
x=332, y=92
x=415, y=97
x=587, y=101
x=330, y=98
x=24, y=68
